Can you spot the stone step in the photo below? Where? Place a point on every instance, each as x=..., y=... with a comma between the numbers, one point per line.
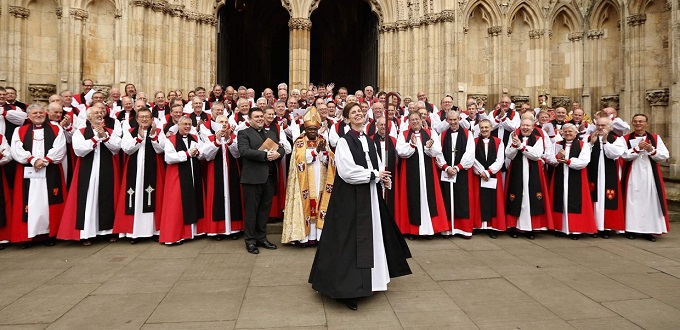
x=275, y=228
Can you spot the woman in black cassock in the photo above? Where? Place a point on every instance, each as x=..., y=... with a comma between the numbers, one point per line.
x=362, y=247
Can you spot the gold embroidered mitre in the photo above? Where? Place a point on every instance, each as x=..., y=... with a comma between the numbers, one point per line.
x=312, y=118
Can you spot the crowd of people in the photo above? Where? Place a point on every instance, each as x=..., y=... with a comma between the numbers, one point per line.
x=223, y=163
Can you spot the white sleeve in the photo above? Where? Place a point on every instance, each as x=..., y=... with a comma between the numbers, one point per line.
x=81, y=146
x=661, y=153
x=580, y=162
x=209, y=150
x=130, y=144
x=404, y=149
x=5, y=151
x=172, y=156
x=347, y=169
x=436, y=148
x=614, y=150
x=468, y=158
x=536, y=151
x=16, y=117
x=500, y=158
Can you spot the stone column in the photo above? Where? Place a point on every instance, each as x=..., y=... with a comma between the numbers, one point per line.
x=77, y=52
x=674, y=138
x=636, y=45
x=496, y=88
x=174, y=50
x=16, y=37
x=299, y=52
x=405, y=70
x=448, y=42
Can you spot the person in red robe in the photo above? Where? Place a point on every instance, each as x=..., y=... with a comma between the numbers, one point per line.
x=224, y=203
x=527, y=204
x=572, y=206
x=139, y=202
x=38, y=198
x=421, y=210
x=490, y=202
x=183, y=211
x=5, y=195
x=603, y=178
x=456, y=160
x=90, y=207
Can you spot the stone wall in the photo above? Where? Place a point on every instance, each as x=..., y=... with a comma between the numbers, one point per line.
x=620, y=52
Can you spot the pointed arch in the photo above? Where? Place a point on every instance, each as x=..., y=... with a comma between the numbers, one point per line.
x=639, y=6
x=490, y=12
x=599, y=14
x=531, y=16
x=573, y=17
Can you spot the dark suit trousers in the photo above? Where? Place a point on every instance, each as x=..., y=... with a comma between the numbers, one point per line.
x=257, y=202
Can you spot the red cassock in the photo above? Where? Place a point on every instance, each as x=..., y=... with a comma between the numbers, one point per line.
x=215, y=224
x=73, y=217
x=56, y=195
x=173, y=229
x=539, y=195
x=401, y=208
x=497, y=219
x=124, y=222
x=6, y=204
x=279, y=199
x=579, y=205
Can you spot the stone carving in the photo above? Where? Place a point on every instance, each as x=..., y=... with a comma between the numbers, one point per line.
x=18, y=12
x=300, y=23
x=595, y=34
x=175, y=10
x=105, y=89
x=448, y=16
x=609, y=101
x=657, y=97
x=414, y=22
x=389, y=27
x=79, y=14
x=286, y=4
x=669, y=5
x=402, y=25
x=140, y=3
x=536, y=34
x=117, y=13
x=494, y=30
x=561, y=101
x=638, y=19
x=478, y=97
x=430, y=19
x=159, y=5
x=59, y=12
x=509, y=30
x=41, y=92
x=575, y=36
x=518, y=100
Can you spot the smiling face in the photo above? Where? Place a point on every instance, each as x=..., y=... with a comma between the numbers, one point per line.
x=356, y=116
x=640, y=124
x=257, y=119
x=415, y=122
x=485, y=129
x=453, y=119
x=526, y=127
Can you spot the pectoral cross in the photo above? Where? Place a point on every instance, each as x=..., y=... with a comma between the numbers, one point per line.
x=149, y=190
x=130, y=192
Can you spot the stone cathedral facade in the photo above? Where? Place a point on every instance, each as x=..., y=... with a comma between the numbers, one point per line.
x=624, y=53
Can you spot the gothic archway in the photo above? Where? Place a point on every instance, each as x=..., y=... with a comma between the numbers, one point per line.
x=344, y=44
x=252, y=44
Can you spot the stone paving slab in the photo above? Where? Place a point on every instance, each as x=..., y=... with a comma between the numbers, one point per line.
x=481, y=283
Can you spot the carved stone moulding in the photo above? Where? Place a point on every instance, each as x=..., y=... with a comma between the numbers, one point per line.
x=300, y=23
x=477, y=97
x=106, y=89
x=575, y=36
x=561, y=101
x=518, y=100
x=658, y=97
x=609, y=101
x=79, y=14
x=18, y=12
x=536, y=34
x=447, y=16
x=595, y=34
x=494, y=30
x=638, y=19
x=41, y=92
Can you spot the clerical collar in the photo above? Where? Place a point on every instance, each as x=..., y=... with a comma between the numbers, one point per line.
x=36, y=126
x=640, y=135
x=267, y=126
x=185, y=136
x=355, y=133
x=382, y=138
x=454, y=131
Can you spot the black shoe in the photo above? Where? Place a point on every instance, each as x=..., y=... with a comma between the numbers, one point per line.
x=50, y=242
x=251, y=248
x=26, y=245
x=428, y=237
x=154, y=238
x=3, y=246
x=604, y=234
x=575, y=237
x=133, y=241
x=650, y=237
x=351, y=304
x=631, y=236
x=512, y=234
x=219, y=238
x=234, y=237
x=492, y=234
x=446, y=236
x=413, y=238
x=266, y=244
x=530, y=236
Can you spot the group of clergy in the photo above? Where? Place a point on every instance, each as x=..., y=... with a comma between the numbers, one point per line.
x=84, y=167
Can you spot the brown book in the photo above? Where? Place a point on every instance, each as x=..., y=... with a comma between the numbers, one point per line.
x=268, y=144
